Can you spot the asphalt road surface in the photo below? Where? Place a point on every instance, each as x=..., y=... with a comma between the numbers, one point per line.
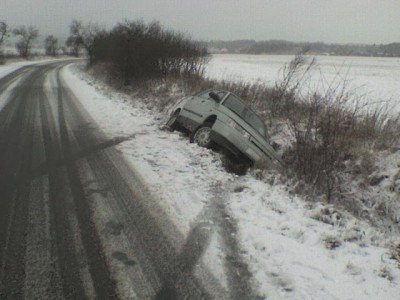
x=75, y=220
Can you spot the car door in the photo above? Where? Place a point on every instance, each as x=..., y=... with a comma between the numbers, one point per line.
x=199, y=107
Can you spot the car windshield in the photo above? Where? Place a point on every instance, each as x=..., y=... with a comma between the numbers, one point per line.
x=250, y=117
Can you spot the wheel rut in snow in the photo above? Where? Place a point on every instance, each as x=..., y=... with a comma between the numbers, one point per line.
x=215, y=218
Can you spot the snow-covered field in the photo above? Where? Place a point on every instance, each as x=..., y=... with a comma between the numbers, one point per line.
x=294, y=249
x=374, y=78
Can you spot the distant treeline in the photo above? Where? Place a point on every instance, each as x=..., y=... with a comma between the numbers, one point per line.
x=287, y=47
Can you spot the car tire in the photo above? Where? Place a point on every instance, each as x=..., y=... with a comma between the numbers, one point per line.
x=202, y=136
x=172, y=123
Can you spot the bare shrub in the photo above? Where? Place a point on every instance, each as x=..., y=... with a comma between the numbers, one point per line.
x=4, y=30
x=329, y=128
x=328, y=215
x=380, y=128
x=363, y=167
x=139, y=51
x=85, y=36
x=394, y=253
x=332, y=242
x=4, y=33
x=385, y=272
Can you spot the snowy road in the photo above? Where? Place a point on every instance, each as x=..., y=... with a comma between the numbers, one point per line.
x=57, y=168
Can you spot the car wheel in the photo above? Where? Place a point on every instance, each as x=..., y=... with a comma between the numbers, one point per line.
x=202, y=135
x=172, y=124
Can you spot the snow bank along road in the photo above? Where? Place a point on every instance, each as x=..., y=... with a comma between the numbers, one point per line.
x=55, y=167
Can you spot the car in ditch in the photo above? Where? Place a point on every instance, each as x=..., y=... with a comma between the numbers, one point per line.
x=220, y=118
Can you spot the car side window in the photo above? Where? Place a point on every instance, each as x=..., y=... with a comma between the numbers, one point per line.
x=234, y=105
x=239, y=108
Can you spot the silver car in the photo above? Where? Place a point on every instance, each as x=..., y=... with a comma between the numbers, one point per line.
x=223, y=119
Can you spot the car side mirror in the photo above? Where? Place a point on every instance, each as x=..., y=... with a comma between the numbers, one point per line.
x=214, y=96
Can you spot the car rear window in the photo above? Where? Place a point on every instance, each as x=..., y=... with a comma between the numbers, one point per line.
x=250, y=117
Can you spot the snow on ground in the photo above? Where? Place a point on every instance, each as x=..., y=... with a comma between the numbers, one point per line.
x=296, y=256
x=10, y=67
x=370, y=78
x=295, y=250
x=6, y=95
x=6, y=69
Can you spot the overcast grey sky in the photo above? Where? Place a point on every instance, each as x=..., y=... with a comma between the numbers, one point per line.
x=332, y=21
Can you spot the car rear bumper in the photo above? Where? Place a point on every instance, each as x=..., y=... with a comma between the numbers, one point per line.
x=233, y=151
x=241, y=147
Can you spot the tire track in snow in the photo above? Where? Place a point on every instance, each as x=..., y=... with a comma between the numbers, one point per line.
x=102, y=282
x=16, y=140
x=215, y=218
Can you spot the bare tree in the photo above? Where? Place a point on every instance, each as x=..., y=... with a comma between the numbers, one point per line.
x=50, y=45
x=27, y=38
x=3, y=35
x=3, y=31
x=74, y=44
x=74, y=41
x=85, y=36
